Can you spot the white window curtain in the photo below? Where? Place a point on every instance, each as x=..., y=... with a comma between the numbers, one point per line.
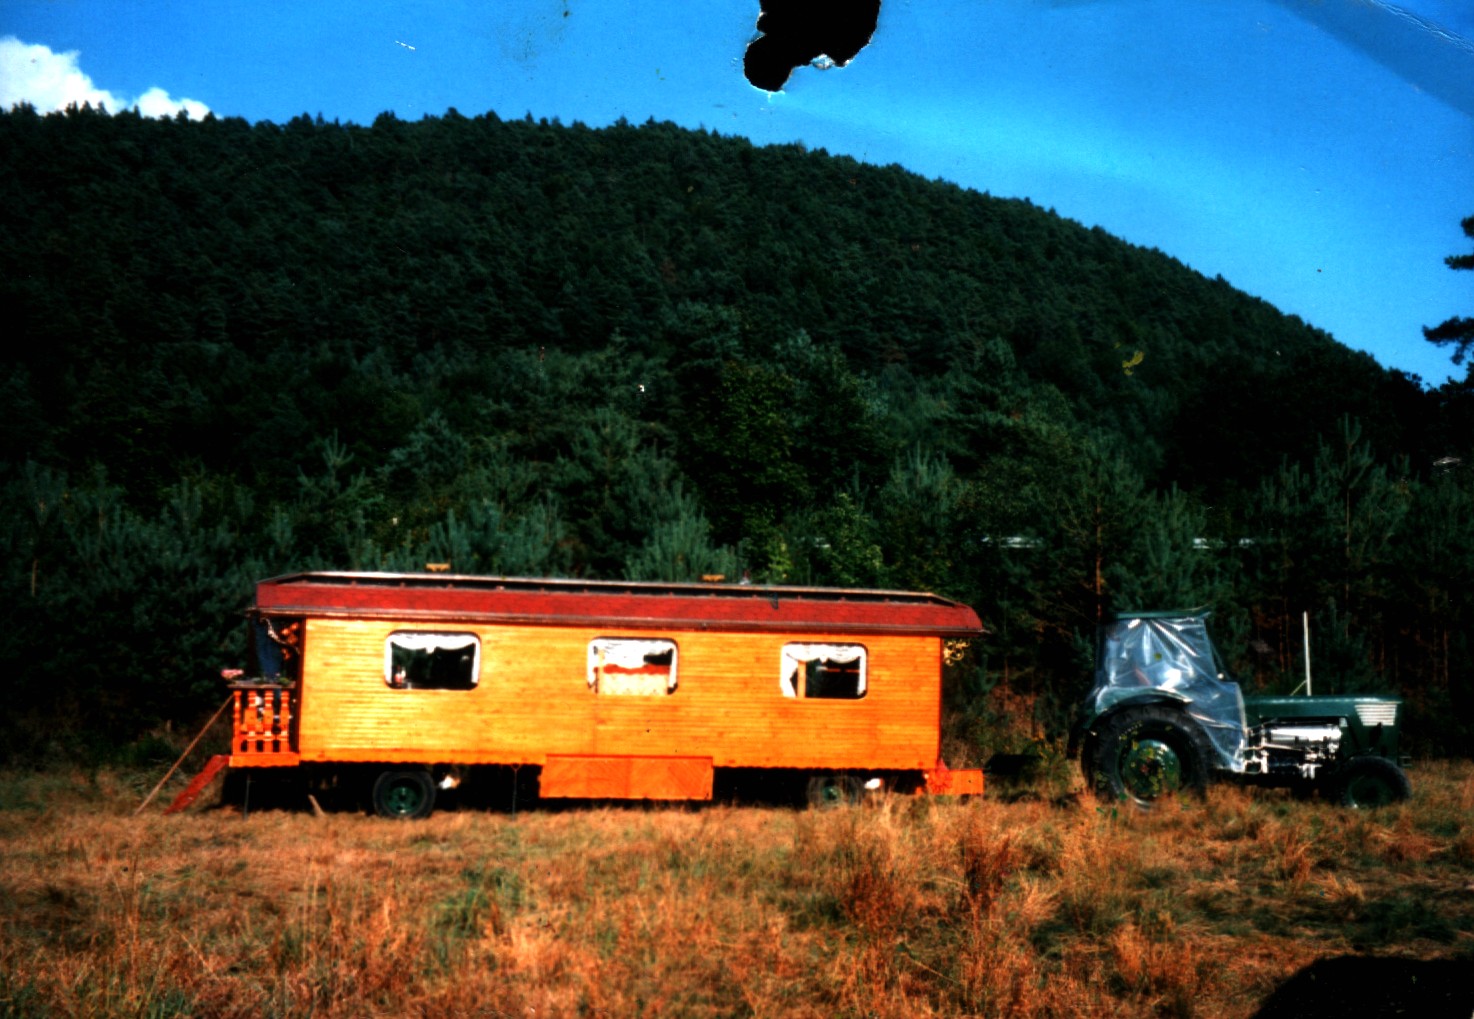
x=432, y=642
x=796, y=654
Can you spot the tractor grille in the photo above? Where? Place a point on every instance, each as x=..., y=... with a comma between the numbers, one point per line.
x=1377, y=714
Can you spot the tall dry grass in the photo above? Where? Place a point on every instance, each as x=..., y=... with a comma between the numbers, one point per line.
x=1037, y=907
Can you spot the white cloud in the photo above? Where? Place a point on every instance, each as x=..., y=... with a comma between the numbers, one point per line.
x=50, y=81
x=158, y=103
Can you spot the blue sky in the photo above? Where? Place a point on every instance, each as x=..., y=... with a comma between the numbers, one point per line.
x=1316, y=153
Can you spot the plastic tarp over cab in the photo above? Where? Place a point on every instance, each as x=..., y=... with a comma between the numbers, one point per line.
x=1173, y=655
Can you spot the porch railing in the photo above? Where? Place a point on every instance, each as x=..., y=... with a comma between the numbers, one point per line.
x=262, y=724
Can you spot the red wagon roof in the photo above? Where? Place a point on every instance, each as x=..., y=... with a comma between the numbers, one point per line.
x=454, y=598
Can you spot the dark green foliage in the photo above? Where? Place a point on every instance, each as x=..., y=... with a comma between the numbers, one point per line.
x=645, y=352
x=1458, y=330
x=119, y=619
x=740, y=448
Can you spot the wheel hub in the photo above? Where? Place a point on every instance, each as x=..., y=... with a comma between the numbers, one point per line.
x=403, y=798
x=1149, y=768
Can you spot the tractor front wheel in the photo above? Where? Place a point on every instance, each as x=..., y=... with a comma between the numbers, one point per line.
x=1371, y=782
x=1143, y=754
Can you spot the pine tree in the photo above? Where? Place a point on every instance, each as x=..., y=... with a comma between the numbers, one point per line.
x=1458, y=330
x=918, y=524
x=1327, y=543
x=1170, y=564
x=679, y=545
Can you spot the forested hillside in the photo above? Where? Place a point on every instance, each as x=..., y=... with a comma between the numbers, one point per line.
x=648, y=352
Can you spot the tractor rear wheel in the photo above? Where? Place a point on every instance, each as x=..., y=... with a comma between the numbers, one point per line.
x=1371, y=782
x=1144, y=754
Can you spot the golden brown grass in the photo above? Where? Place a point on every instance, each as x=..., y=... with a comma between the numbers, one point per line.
x=907, y=908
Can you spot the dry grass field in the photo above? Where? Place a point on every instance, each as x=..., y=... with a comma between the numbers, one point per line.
x=1008, y=906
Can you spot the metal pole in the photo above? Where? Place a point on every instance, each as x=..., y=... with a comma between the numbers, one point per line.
x=1305, y=618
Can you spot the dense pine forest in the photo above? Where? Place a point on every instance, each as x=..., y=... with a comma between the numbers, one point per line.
x=238, y=350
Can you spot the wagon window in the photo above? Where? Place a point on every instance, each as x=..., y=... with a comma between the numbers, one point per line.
x=620, y=666
x=417, y=660
x=828, y=671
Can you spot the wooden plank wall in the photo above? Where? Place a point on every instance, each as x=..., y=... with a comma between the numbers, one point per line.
x=533, y=700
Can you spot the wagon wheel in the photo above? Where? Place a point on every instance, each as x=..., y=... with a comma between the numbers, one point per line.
x=826, y=791
x=404, y=795
x=1143, y=754
x=1371, y=782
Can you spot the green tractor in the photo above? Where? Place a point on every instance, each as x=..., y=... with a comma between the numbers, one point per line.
x=1163, y=716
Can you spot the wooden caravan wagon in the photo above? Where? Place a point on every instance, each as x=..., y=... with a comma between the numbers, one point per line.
x=609, y=689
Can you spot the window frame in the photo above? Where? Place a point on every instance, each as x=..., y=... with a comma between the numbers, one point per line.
x=466, y=637
x=633, y=644
x=793, y=679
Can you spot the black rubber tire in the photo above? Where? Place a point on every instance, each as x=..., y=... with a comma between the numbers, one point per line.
x=1367, y=782
x=1143, y=754
x=404, y=795
x=828, y=791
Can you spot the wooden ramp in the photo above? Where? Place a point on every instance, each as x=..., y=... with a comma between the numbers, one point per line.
x=192, y=791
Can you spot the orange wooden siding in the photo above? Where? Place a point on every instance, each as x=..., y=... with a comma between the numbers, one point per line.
x=627, y=778
x=533, y=700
